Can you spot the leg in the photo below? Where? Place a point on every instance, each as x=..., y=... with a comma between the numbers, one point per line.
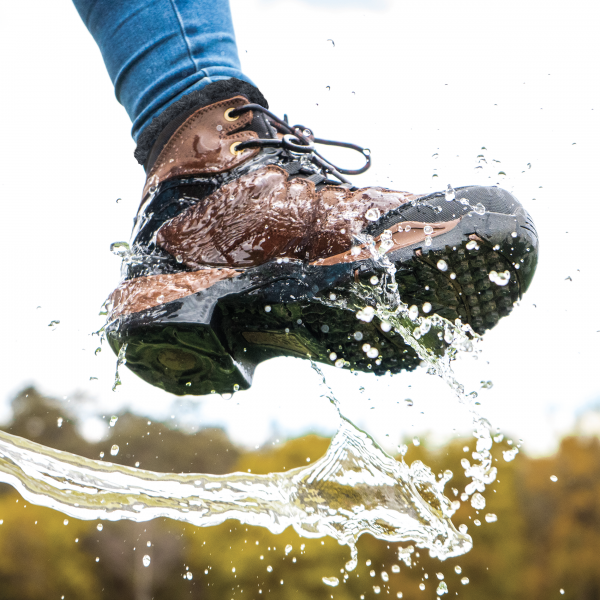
x=157, y=51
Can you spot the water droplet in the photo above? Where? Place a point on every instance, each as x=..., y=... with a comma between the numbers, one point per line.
x=442, y=265
x=288, y=549
x=464, y=201
x=355, y=250
x=146, y=560
x=332, y=296
x=457, y=570
x=450, y=194
x=500, y=279
x=385, y=576
x=374, y=280
x=358, y=336
x=325, y=328
x=463, y=528
x=270, y=569
x=553, y=478
x=332, y=356
x=416, y=441
x=442, y=588
x=376, y=589
x=479, y=209
x=509, y=455
x=366, y=314
x=561, y=591
x=372, y=353
x=421, y=586
x=339, y=363
x=514, y=234
x=464, y=580
x=66, y=522
x=99, y=527
x=386, y=326
x=472, y=245
x=53, y=323
x=428, y=240
x=114, y=450
x=478, y=501
x=428, y=230
x=403, y=449
x=59, y=422
x=372, y=214
x=491, y=518
x=189, y=576
x=120, y=249
x=113, y=421
x=267, y=308
x=426, y=308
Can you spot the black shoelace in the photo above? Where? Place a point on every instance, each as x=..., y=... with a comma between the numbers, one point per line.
x=300, y=140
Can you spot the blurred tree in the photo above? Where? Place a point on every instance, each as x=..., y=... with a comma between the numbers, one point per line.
x=546, y=537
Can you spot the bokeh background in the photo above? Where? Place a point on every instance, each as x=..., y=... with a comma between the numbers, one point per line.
x=443, y=93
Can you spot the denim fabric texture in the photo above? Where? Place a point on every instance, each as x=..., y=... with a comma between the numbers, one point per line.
x=157, y=51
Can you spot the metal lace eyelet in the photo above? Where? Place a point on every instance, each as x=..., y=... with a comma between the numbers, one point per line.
x=228, y=112
x=233, y=147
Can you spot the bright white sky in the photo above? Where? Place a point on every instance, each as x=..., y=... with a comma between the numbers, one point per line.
x=408, y=80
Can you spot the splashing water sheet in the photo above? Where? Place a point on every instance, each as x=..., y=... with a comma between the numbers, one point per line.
x=355, y=488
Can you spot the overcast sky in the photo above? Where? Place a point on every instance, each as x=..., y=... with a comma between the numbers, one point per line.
x=410, y=80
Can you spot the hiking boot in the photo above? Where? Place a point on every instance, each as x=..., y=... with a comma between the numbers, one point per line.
x=248, y=245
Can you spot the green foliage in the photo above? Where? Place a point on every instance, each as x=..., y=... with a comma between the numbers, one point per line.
x=547, y=536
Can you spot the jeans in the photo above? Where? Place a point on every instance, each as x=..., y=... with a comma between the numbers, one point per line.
x=157, y=51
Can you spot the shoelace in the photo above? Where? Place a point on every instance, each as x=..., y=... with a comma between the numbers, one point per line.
x=300, y=139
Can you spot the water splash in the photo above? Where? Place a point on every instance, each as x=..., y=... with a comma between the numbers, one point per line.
x=355, y=488
x=437, y=342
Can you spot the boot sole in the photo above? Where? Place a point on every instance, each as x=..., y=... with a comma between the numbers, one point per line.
x=211, y=341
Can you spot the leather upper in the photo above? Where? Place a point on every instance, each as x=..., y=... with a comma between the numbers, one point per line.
x=202, y=145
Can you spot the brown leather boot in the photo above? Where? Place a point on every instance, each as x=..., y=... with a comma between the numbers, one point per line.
x=248, y=245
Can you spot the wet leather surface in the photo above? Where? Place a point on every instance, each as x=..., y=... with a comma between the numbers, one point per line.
x=141, y=293
x=262, y=216
x=202, y=145
x=401, y=238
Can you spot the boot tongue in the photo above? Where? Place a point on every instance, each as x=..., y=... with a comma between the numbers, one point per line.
x=260, y=125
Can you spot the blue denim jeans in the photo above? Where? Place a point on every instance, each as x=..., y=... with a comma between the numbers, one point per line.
x=159, y=50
